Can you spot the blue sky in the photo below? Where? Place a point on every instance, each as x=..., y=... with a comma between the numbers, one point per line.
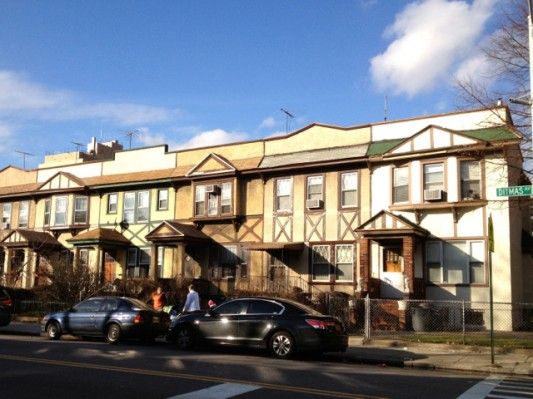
x=196, y=73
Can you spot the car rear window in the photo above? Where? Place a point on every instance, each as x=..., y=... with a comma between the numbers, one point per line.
x=139, y=304
x=264, y=307
x=297, y=308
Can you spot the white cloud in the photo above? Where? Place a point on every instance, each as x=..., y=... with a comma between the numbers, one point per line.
x=430, y=36
x=20, y=97
x=6, y=135
x=211, y=138
x=268, y=123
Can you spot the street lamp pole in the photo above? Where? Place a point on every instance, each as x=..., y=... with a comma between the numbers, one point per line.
x=530, y=31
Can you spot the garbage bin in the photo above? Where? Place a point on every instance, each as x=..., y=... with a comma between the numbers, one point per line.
x=421, y=318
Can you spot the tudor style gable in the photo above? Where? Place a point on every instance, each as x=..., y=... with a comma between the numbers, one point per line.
x=62, y=181
x=212, y=164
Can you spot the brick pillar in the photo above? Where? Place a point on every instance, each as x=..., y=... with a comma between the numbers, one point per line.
x=152, y=271
x=409, y=265
x=364, y=266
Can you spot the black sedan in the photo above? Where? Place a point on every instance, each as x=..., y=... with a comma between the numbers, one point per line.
x=6, y=307
x=111, y=317
x=279, y=325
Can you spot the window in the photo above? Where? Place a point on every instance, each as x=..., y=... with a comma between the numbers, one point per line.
x=136, y=206
x=90, y=305
x=456, y=262
x=225, y=198
x=112, y=200
x=80, y=210
x=160, y=262
x=83, y=258
x=434, y=176
x=23, y=213
x=138, y=262
x=400, y=186
x=6, y=216
x=333, y=261
x=344, y=262
x=321, y=262
x=232, y=307
x=60, y=217
x=315, y=188
x=264, y=307
x=217, y=197
x=348, y=190
x=284, y=195
x=229, y=261
x=162, y=199
x=470, y=180
x=47, y=211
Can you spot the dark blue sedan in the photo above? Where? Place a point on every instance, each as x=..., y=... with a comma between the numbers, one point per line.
x=111, y=317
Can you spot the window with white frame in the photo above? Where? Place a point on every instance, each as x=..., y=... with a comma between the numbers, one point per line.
x=348, y=190
x=470, y=180
x=284, y=195
x=81, y=205
x=456, y=262
x=138, y=262
x=24, y=208
x=213, y=200
x=400, y=186
x=60, y=212
x=321, y=263
x=112, y=201
x=83, y=257
x=136, y=206
x=162, y=199
x=47, y=211
x=6, y=215
x=434, y=176
x=315, y=188
x=333, y=262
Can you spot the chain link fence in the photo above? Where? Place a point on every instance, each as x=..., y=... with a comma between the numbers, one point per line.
x=458, y=322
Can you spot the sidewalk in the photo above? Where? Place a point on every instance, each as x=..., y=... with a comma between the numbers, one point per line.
x=387, y=353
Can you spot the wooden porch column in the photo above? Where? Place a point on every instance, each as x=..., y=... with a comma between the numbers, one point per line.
x=26, y=268
x=409, y=266
x=153, y=272
x=364, y=266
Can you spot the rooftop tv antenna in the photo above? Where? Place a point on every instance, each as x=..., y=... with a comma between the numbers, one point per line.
x=78, y=145
x=24, y=155
x=288, y=117
x=131, y=133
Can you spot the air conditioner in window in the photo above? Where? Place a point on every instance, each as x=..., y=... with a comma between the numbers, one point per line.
x=433, y=195
x=314, y=204
x=212, y=188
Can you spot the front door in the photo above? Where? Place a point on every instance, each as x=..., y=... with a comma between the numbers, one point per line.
x=277, y=271
x=392, y=273
x=109, y=266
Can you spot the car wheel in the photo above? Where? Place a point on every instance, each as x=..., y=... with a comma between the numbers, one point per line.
x=185, y=338
x=113, y=333
x=53, y=330
x=281, y=345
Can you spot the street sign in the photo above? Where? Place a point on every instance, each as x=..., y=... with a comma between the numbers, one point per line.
x=513, y=191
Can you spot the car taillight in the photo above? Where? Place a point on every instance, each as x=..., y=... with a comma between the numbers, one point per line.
x=319, y=324
x=138, y=319
x=7, y=302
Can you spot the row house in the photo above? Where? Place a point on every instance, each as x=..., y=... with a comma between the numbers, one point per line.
x=396, y=209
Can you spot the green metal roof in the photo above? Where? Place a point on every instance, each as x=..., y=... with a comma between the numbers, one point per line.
x=491, y=134
x=381, y=147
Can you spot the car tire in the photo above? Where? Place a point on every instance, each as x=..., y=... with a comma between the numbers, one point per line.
x=53, y=330
x=113, y=334
x=281, y=345
x=184, y=338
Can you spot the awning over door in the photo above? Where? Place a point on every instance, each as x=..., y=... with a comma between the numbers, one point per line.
x=385, y=224
x=265, y=246
x=35, y=240
x=100, y=236
x=172, y=231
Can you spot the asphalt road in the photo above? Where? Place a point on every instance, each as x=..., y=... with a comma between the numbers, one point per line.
x=33, y=367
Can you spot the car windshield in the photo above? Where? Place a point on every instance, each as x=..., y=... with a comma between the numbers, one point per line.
x=139, y=304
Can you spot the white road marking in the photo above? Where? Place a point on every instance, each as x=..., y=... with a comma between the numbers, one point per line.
x=482, y=389
x=222, y=391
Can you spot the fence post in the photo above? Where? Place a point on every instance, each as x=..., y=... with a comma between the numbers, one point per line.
x=464, y=322
x=367, y=317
